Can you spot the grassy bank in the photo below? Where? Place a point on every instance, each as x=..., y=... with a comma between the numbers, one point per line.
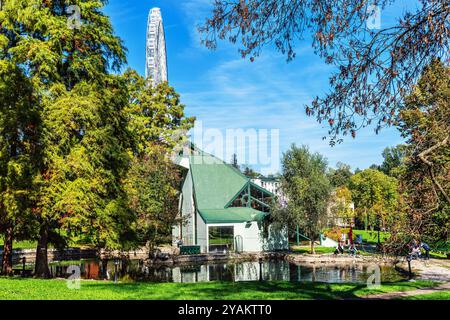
x=34, y=289
x=21, y=244
x=322, y=250
x=307, y=249
x=371, y=237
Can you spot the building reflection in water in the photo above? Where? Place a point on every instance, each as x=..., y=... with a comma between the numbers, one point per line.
x=275, y=270
x=271, y=271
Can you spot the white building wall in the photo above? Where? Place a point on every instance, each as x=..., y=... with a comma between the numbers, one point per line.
x=249, y=232
x=252, y=237
x=188, y=211
x=202, y=234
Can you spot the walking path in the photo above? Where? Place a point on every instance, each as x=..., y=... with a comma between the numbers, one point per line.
x=394, y=295
x=433, y=269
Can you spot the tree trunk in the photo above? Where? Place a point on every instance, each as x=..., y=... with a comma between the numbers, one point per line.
x=41, y=269
x=7, y=267
x=313, y=250
x=365, y=220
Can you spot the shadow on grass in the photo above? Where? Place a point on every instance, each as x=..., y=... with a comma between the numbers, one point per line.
x=230, y=290
x=26, y=288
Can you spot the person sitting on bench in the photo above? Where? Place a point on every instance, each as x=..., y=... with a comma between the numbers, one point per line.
x=339, y=249
x=352, y=250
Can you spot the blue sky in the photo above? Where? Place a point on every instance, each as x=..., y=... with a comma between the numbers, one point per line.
x=226, y=92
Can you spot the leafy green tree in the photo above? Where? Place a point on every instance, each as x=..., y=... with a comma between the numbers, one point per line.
x=393, y=160
x=425, y=181
x=152, y=186
x=376, y=198
x=19, y=121
x=155, y=114
x=158, y=124
x=340, y=177
x=249, y=172
x=85, y=157
x=83, y=124
x=38, y=36
x=341, y=207
x=308, y=190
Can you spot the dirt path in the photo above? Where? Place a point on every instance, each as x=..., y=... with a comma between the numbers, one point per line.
x=399, y=294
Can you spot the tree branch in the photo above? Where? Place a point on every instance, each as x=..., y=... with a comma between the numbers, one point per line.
x=422, y=156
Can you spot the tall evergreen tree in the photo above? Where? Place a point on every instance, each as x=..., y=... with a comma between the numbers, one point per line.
x=83, y=128
x=234, y=161
x=19, y=121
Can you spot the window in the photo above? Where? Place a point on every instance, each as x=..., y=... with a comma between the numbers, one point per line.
x=221, y=238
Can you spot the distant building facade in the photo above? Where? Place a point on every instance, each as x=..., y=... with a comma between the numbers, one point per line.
x=271, y=184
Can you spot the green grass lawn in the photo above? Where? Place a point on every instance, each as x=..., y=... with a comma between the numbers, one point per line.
x=438, y=255
x=307, y=249
x=322, y=250
x=35, y=289
x=21, y=244
x=441, y=295
x=371, y=237
x=29, y=244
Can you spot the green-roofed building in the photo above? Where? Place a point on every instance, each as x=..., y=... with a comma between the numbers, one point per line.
x=222, y=209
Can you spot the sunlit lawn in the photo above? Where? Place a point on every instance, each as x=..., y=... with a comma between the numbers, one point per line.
x=21, y=244
x=55, y=289
x=440, y=295
x=307, y=249
x=371, y=237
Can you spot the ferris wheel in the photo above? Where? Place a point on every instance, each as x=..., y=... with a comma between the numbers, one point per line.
x=156, y=59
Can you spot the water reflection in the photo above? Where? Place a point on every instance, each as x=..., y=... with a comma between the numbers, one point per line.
x=242, y=271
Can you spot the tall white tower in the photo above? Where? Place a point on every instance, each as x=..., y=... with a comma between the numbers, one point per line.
x=156, y=64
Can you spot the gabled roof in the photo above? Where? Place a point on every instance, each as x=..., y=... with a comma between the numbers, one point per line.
x=231, y=215
x=215, y=182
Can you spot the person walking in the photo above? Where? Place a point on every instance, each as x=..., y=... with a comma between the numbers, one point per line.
x=426, y=247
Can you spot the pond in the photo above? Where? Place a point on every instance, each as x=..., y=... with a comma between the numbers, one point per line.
x=273, y=270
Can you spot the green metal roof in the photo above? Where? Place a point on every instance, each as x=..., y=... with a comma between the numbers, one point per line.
x=215, y=182
x=231, y=215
